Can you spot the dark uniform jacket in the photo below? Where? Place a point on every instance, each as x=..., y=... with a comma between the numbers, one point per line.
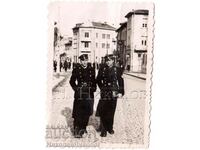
x=83, y=83
x=111, y=83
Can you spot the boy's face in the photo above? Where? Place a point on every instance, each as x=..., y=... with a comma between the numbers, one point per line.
x=84, y=62
x=109, y=62
x=62, y=59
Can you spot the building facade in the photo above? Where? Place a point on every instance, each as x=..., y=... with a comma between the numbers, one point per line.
x=63, y=51
x=136, y=41
x=122, y=44
x=70, y=53
x=94, y=39
x=137, y=29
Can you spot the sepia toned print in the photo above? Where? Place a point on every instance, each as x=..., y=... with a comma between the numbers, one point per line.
x=99, y=74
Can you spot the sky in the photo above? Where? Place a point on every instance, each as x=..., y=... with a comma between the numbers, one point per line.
x=67, y=14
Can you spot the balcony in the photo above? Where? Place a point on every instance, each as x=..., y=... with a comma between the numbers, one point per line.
x=85, y=39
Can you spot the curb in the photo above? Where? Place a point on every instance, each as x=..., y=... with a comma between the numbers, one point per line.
x=56, y=85
x=135, y=76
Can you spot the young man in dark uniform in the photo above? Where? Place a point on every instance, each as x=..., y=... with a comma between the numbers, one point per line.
x=111, y=84
x=83, y=83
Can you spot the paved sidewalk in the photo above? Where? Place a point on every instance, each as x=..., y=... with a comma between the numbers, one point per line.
x=128, y=121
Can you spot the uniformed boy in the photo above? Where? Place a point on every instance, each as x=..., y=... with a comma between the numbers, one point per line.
x=83, y=83
x=111, y=84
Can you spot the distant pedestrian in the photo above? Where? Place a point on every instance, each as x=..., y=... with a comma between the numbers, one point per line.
x=65, y=66
x=128, y=68
x=69, y=65
x=62, y=62
x=55, y=65
x=61, y=66
x=73, y=65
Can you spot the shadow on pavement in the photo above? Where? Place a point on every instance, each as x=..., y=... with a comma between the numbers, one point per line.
x=67, y=112
x=94, y=121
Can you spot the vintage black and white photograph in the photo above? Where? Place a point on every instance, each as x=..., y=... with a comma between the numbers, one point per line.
x=99, y=74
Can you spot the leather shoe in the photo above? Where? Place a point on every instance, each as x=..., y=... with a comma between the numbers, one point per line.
x=77, y=133
x=103, y=133
x=111, y=131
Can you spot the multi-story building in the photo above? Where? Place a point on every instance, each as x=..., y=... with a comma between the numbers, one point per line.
x=70, y=53
x=63, y=50
x=136, y=40
x=64, y=46
x=122, y=43
x=94, y=39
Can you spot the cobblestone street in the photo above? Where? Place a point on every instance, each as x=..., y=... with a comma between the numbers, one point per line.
x=129, y=116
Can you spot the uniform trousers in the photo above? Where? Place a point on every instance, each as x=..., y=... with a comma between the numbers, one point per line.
x=81, y=122
x=106, y=112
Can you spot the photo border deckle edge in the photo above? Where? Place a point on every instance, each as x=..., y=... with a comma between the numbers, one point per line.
x=147, y=121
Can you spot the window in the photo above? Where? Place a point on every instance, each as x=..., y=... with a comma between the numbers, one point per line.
x=103, y=45
x=144, y=25
x=108, y=36
x=107, y=45
x=103, y=36
x=144, y=42
x=86, y=44
x=86, y=34
x=96, y=45
x=96, y=35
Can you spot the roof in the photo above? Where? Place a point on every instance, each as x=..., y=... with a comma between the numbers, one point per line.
x=122, y=26
x=78, y=25
x=138, y=12
x=97, y=25
x=103, y=25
